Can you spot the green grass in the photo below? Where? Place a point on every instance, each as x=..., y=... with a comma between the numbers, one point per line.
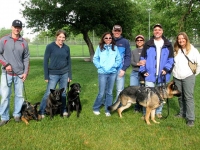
x=90, y=132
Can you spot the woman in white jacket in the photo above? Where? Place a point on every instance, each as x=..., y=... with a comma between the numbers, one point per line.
x=184, y=77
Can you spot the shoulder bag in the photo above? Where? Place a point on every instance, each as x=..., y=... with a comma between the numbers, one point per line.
x=193, y=66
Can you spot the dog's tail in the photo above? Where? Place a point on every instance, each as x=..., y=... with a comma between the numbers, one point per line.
x=114, y=106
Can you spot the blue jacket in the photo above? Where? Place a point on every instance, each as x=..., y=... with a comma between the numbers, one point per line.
x=166, y=60
x=125, y=52
x=107, y=61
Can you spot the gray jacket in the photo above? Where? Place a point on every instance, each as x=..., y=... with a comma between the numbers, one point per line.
x=135, y=58
x=15, y=54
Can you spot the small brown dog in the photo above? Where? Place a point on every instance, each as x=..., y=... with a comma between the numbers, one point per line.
x=29, y=112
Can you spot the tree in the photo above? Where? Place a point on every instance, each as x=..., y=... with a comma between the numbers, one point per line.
x=4, y=31
x=80, y=16
x=180, y=15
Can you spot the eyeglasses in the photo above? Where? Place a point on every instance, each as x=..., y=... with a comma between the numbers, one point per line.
x=117, y=30
x=106, y=38
x=139, y=40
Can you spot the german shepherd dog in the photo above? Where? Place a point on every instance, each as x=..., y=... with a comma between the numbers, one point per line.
x=151, y=98
x=54, y=103
x=73, y=99
x=29, y=112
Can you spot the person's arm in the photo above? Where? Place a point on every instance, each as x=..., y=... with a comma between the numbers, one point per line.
x=70, y=68
x=46, y=61
x=127, y=56
x=96, y=58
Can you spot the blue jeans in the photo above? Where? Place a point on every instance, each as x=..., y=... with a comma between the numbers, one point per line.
x=106, y=84
x=134, y=78
x=6, y=86
x=159, y=109
x=53, y=81
x=119, y=85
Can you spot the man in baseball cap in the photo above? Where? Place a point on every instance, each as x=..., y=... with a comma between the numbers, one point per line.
x=157, y=25
x=17, y=23
x=117, y=28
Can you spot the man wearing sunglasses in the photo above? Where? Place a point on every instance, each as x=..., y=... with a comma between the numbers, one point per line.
x=125, y=52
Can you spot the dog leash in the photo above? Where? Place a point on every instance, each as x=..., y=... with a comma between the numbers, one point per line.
x=13, y=81
x=167, y=101
x=68, y=83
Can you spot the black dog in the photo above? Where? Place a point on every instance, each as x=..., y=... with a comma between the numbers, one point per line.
x=73, y=99
x=54, y=103
x=29, y=112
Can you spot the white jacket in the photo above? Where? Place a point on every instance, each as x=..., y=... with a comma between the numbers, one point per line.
x=181, y=69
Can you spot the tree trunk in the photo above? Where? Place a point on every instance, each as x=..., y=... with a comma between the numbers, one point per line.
x=89, y=44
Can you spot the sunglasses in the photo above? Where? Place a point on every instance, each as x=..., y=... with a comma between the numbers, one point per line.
x=139, y=40
x=108, y=38
x=117, y=30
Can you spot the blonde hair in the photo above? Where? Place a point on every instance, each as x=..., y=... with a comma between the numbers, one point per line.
x=177, y=46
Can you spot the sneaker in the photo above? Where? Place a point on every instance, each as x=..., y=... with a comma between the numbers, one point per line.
x=190, y=123
x=17, y=119
x=136, y=111
x=108, y=114
x=42, y=116
x=3, y=122
x=143, y=117
x=65, y=114
x=159, y=116
x=96, y=112
x=179, y=115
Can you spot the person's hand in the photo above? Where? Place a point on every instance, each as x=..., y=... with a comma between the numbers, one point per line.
x=163, y=72
x=69, y=80
x=121, y=73
x=146, y=74
x=46, y=80
x=141, y=62
x=9, y=68
x=23, y=77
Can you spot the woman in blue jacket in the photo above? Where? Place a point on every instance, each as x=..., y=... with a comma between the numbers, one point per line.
x=107, y=60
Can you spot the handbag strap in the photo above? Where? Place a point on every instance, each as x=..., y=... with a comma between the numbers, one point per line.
x=185, y=55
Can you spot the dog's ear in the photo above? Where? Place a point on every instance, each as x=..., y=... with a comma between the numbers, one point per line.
x=61, y=90
x=79, y=85
x=71, y=85
x=36, y=104
x=52, y=90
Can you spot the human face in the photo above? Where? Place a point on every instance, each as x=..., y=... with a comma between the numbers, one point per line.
x=139, y=42
x=60, y=39
x=116, y=33
x=16, y=31
x=182, y=41
x=107, y=38
x=157, y=32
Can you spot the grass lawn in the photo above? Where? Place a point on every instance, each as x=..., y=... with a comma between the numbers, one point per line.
x=90, y=132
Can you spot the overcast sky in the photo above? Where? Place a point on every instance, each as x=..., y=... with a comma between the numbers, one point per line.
x=9, y=11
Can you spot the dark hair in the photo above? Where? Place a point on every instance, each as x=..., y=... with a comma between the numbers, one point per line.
x=61, y=31
x=101, y=43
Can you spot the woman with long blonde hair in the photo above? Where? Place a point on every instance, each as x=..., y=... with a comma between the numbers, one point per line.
x=184, y=77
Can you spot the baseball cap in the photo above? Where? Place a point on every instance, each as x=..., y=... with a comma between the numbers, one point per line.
x=117, y=27
x=157, y=25
x=139, y=36
x=17, y=23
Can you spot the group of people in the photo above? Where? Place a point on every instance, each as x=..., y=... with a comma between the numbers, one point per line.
x=152, y=63
x=14, y=57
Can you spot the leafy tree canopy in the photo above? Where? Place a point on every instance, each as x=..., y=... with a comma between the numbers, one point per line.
x=80, y=16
